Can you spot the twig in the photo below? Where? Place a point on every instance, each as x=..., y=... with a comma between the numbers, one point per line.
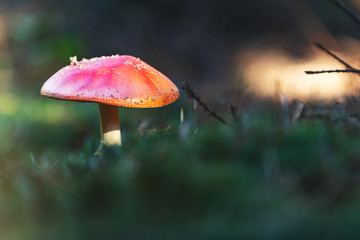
x=334, y=71
x=321, y=47
x=347, y=10
x=192, y=94
x=349, y=69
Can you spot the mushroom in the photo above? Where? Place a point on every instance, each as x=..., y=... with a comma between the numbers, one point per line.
x=112, y=82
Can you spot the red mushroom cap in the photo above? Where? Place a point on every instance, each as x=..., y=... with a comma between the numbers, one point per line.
x=123, y=81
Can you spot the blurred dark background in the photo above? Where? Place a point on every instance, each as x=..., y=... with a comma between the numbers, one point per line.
x=189, y=40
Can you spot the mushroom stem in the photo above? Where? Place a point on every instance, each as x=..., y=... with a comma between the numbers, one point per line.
x=110, y=125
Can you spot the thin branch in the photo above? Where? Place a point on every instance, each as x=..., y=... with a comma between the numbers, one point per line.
x=192, y=94
x=347, y=10
x=349, y=69
x=334, y=71
x=321, y=47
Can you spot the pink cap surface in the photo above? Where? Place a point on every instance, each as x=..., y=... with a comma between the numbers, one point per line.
x=123, y=81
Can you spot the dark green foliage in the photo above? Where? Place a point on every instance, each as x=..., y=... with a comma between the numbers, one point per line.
x=255, y=180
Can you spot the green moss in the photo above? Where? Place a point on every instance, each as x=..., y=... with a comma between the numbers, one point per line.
x=255, y=179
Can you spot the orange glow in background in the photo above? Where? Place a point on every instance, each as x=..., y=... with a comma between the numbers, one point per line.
x=266, y=71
